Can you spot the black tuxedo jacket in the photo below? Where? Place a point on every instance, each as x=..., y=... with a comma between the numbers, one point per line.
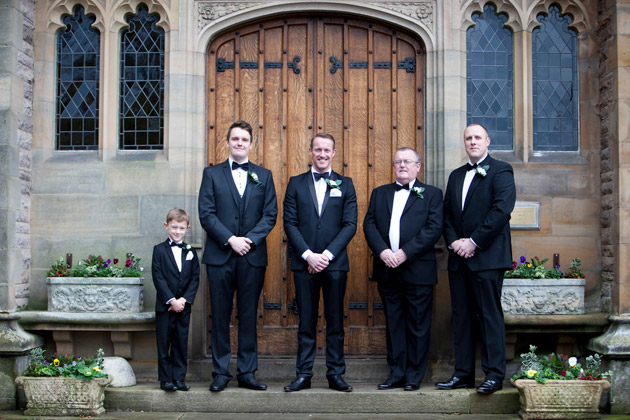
x=485, y=217
x=420, y=229
x=168, y=280
x=305, y=229
x=219, y=213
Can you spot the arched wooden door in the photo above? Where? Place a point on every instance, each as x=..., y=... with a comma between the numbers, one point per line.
x=291, y=78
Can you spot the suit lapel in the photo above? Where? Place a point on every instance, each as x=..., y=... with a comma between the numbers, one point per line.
x=308, y=178
x=249, y=184
x=169, y=252
x=412, y=198
x=229, y=179
x=389, y=195
x=333, y=177
x=459, y=185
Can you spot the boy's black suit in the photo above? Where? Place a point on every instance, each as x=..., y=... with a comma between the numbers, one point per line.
x=172, y=327
x=485, y=219
x=223, y=214
x=407, y=290
x=331, y=231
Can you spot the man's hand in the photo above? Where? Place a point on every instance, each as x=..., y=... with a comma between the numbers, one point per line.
x=400, y=256
x=464, y=247
x=240, y=244
x=389, y=258
x=177, y=305
x=316, y=263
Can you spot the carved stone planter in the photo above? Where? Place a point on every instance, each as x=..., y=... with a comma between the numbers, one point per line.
x=95, y=294
x=560, y=399
x=543, y=296
x=57, y=396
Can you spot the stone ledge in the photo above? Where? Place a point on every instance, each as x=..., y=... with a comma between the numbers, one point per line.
x=63, y=324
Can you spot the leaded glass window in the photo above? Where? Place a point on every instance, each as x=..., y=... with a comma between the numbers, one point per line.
x=555, y=83
x=141, y=124
x=78, y=50
x=489, y=77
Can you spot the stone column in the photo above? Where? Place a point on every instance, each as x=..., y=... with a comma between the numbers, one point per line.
x=614, y=38
x=16, y=128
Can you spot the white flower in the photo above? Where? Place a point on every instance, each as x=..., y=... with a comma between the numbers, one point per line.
x=572, y=361
x=483, y=170
x=531, y=373
x=418, y=191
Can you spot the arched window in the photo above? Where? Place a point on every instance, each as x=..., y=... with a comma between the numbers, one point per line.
x=141, y=107
x=489, y=77
x=78, y=49
x=555, y=83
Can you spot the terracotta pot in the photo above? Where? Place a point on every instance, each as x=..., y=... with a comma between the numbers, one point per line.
x=558, y=399
x=57, y=396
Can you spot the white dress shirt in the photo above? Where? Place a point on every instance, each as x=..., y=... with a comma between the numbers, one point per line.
x=240, y=177
x=470, y=174
x=400, y=200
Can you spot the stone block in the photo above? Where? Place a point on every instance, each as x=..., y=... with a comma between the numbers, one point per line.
x=8, y=160
x=153, y=209
x=538, y=182
x=8, y=122
x=69, y=178
x=84, y=215
x=158, y=179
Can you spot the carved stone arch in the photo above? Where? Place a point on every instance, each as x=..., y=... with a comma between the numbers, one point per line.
x=61, y=8
x=214, y=18
x=582, y=21
x=125, y=7
x=504, y=7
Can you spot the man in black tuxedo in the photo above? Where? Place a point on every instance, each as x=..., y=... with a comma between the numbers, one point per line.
x=479, y=199
x=320, y=219
x=401, y=226
x=237, y=209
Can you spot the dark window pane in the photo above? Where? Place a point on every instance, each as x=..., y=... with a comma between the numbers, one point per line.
x=555, y=83
x=142, y=83
x=489, y=84
x=78, y=49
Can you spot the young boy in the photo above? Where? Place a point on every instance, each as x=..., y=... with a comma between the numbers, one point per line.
x=175, y=269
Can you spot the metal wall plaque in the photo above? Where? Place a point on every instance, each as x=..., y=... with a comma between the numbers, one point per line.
x=525, y=216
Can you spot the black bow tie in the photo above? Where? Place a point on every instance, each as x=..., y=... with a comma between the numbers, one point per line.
x=181, y=244
x=243, y=166
x=401, y=187
x=470, y=167
x=319, y=176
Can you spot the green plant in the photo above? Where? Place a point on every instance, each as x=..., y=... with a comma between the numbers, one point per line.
x=65, y=365
x=535, y=269
x=558, y=366
x=97, y=266
x=58, y=269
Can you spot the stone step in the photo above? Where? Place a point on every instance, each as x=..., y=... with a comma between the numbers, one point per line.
x=365, y=398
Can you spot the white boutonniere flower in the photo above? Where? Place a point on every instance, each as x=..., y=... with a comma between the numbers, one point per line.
x=254, y=178
x=483, y=170
x=187, y=247
x=418, y=191
x=333, y=185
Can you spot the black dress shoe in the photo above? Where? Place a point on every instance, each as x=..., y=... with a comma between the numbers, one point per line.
x=337, y=383
x=489, y=386
x=250, y=382
x=168, y=386
x=181, y=386
x=391, y=384
x=412, y=386
x=299, y=383
x=219, y=384
x=455, y=383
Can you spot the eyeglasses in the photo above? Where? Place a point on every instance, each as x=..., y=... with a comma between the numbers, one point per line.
x=407, y=162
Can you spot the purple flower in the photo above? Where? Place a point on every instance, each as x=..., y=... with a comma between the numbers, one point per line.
x=523, y=259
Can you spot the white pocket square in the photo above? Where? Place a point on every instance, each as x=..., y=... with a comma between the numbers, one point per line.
x=189, y=256
x=335, y=192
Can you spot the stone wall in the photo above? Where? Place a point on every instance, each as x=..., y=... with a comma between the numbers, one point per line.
x=606, y=95
x=16, y=110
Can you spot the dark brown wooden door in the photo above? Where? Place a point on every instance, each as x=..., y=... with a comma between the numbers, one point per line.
x=291, y=78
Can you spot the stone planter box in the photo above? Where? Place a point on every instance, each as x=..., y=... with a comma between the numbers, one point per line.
x=95, y=294
x=543, y=296
x=57, y=396
x=560, y=399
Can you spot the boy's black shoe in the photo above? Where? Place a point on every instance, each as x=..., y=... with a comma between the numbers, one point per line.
x=181, y=386
x=168, y=386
